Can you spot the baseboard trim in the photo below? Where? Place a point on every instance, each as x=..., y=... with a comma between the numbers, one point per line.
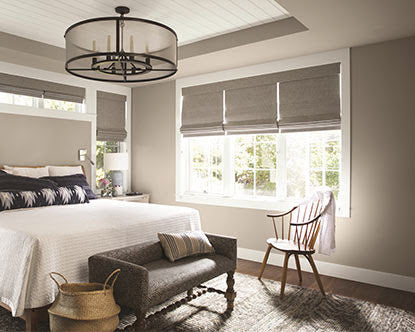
x=372, y=277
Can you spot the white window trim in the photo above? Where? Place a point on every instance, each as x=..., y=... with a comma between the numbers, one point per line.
x=342, y=56
x=89, y=106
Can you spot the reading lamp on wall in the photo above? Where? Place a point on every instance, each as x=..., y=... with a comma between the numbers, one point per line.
x=82, y=156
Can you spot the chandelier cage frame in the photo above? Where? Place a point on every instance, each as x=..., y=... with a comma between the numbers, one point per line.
x=118, y=65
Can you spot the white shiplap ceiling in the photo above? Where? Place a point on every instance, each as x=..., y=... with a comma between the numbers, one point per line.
x=193, y=20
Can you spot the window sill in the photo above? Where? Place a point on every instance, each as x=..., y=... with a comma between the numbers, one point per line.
x=268, y=204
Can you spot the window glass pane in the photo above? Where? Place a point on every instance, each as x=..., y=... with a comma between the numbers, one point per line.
x=312, y=160
x=332, y=155
x=266, y=155
x=265, y=183
x=244, y=151
x=199, y=180
x=216, y=184
x=6, y=98
x=296, y=166
x=23, y=100
x=332, y=181
x=316, y=155
x=206, y=165
x=244, y=182
x=316, y=179
x=59, y=105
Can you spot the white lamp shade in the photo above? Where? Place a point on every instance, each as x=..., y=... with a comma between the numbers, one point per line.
x=116, y=161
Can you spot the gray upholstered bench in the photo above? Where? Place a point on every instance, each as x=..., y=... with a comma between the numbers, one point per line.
x=147, y=278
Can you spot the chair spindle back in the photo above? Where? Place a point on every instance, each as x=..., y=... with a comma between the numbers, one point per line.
x=303, y=226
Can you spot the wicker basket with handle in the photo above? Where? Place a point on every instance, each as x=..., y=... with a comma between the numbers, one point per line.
x=84, y=306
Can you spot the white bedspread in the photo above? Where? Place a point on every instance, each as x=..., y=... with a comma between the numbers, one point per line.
x=34, y=242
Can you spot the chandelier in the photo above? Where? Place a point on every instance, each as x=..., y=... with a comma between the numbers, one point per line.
x=121, y=49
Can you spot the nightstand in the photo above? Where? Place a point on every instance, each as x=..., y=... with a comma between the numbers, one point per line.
x=144, y=198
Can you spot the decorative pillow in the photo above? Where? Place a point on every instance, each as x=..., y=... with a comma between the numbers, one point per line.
x=72, y=180
x=44, y=197
x=64, y=170
x=3, y=172
x=10, y=182
x=180, y=245
x=32, y=172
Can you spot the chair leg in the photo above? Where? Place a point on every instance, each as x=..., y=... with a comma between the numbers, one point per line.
x=230, y=293
x=297, y=262
x=284, y=275
x=316, y=275
x=264, y=262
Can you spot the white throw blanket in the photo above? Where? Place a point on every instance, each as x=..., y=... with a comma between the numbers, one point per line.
x=327, y=238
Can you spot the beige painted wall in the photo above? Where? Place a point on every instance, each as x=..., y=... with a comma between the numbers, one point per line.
x=33, y=140
x=379, y=234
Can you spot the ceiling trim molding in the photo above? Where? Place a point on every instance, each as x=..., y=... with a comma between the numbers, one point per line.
x=251, y=35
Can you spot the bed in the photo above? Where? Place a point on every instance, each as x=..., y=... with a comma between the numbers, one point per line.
x=36, y=241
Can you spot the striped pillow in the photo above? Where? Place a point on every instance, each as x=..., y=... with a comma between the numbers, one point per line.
x=180, y=245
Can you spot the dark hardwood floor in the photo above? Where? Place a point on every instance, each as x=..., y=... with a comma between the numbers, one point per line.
x=366, y=292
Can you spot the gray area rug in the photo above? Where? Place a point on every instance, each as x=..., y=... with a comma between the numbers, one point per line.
x=258, y=308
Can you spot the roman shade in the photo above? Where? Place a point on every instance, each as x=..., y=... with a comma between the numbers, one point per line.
x=295, y=100
x=202, y=113
x=310, y=104
x=251, y=110
x=111, y=117
x=38, y=88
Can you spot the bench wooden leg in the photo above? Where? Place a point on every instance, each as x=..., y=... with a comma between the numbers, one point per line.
x=230, y=293
x=140, y=324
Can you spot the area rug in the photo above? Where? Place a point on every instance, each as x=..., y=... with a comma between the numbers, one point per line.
x=258, y=308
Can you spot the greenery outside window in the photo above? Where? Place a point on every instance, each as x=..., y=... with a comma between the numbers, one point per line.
x=283, y=167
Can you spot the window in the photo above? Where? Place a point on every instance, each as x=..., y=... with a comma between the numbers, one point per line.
x=307, y=98
x=11, y=98
x=268, y=167
x=104, y=147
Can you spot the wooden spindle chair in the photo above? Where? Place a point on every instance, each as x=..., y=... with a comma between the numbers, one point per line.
x=303, y=229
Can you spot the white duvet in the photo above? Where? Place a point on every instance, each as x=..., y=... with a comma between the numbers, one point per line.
x=34, y=242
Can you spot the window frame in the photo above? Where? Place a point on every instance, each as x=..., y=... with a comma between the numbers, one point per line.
x=263, y=202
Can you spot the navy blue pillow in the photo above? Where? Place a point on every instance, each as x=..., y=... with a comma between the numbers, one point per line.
x=72, y=180
x=28, y=199
x=10, y=182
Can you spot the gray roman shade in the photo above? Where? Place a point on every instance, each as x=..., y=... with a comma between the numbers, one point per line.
x=310, y=104
x=111, y=117
x=37, y=88
x=294, y=100
x=202, y=113
x=251, y=110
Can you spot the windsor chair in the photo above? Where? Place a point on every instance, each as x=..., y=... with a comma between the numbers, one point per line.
x=303, y=229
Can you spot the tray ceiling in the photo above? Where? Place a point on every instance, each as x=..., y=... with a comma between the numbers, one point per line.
x=193, y=20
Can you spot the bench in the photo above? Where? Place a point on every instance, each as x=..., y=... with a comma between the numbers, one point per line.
x=148, y=278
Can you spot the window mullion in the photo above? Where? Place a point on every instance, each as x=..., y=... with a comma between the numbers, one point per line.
x=254, y=193
x=281, y=170
x=228, y=167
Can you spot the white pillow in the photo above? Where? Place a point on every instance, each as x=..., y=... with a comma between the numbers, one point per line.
x=64, y=170
x=35, y=172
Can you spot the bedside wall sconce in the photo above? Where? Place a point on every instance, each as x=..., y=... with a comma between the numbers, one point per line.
x=82, y=156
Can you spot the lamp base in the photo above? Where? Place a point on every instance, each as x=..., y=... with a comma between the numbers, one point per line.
x=117, y=178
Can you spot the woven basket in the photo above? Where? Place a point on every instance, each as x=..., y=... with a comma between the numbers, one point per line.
x=84, y=306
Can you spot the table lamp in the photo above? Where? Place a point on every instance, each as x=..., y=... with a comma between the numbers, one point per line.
x=116, y=163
